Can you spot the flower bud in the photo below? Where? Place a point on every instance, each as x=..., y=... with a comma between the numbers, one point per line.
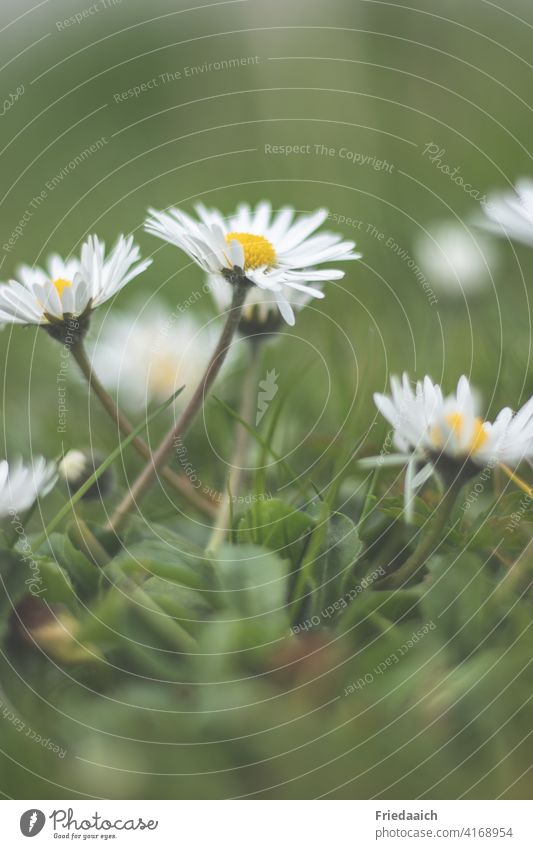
x=76, y=468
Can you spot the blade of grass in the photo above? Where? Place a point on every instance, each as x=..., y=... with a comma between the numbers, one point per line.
x=369, y=498
x=65, y=510
x=314, y=546
x=274, y=416
x=316, y=543
x=253, y=432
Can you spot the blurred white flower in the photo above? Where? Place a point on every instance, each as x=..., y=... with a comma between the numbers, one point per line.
x=146, y=355
x=21, y=485
x=510, y=213
x=455, y=261
x=260, y=313
x=271, y=252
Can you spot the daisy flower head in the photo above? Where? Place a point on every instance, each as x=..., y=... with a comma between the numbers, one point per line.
x=446, y=436
x=146, y=355
x=456, y=263
x=275, y=252
x=61, y=297
x=21, y=486
x=511, y=213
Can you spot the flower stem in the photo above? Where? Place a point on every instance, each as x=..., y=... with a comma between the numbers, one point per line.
x=89, y=543
x=180, y=483
x=157, y=461
x=429, y=544
x=240, y=448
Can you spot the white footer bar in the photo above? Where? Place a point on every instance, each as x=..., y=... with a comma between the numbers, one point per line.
x=268, y=824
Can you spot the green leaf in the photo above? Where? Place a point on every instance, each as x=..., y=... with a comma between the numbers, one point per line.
x=130, y=621
x=188, y=607
x=277, y=526
x=508, y=524
x=326, y=572
x=371, y=614
x=84, y=575
x=56, y=585
x=168, y=556
x=255, y=623
x=255, y=580
x=459, y=597
x=332, y=571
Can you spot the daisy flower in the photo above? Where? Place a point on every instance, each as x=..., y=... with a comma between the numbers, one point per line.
x=62, y=296
x=274, y=252
x=445, y=436
x=21, y=485
x=260, y=313
x=145, y=355
x=511, y=213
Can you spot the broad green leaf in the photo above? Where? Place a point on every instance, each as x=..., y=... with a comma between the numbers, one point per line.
x=255, y=580
x=190, y=608
x=127, y=619
x=507, y=523
x=167, y=556
x=83, y=574
x=56, y=584
x=371, y=613
x=254, y=624
x=277, y=526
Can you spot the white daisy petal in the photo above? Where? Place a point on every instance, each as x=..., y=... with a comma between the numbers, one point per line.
x=236, y=253
x=280, y=224
x=383, y=460
x=511, y=213
x=261, y=218
x=20, y=485
x=48, y=296
x=210, y=217
x=19, y=304
x=301, y=229
x=285, y=308
x=68, y=300
x=316, y=293
x=422, y=476
x=241, y=222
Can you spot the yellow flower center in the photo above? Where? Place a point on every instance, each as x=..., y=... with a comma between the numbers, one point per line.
x=163, y=376
x=456, y=423
x=60, y=285
x=258, y=251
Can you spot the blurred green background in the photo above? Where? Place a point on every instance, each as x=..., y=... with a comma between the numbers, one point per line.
x=376, y=79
